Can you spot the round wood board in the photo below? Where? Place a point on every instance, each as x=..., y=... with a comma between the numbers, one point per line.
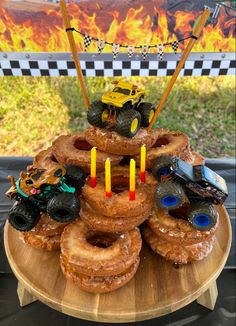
x=158, y=287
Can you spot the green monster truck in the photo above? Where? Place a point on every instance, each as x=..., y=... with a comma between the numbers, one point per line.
x=54, y=191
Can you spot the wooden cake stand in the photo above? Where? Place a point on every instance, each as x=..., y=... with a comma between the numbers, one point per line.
x=158, y=288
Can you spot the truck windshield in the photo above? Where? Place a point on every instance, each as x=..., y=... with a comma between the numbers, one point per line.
x=121, y=90
x=214, y=179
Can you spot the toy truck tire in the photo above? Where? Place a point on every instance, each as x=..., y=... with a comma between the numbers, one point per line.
x=75, y=176
x=161, y=166
x=169, y=195
x=202, y=216
x=147, y=111
x=23, y=217
x=96, y=114
x=128, y=123
x=64, y=207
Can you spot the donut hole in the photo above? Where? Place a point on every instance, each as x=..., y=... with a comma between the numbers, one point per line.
x=101, y=240
x=162, y=141
x=53, y=159
x=119, y=184
x=125, y=160
x=82, y=145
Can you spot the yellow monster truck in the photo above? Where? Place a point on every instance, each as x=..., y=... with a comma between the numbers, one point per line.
x=122, y=108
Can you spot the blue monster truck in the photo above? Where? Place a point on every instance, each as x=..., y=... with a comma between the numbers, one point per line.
x=181, y=182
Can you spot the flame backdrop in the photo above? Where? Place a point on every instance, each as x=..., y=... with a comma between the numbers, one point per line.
x=36, y=26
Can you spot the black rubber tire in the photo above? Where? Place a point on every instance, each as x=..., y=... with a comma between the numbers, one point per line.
x=23, y=217
x=161, y=166
x=64, y=207
x=202, y=209
x=94, y=114
x=169, y=189
x=145, y=109
x=124, y=121
x=127, y=106
x=75, y=176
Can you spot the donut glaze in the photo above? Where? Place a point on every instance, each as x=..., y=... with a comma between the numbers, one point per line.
x=94, y=253
x=177, y=230
x=99, y=284
x=178, y=254
x=111, y=142
x=75, y=150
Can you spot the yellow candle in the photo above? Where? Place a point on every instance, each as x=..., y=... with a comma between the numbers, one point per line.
x=108, y=177
x=132, y=179
x=93, y=167
x=143, y=163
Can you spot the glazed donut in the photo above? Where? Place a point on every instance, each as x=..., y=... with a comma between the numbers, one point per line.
x=119, y=204
x=198, y=159
x=173, y=143
x=178, y=254
x=102, y=223
x=177, y=230
x=100, y=284
x=75, y=150
x=45, y=159
x=99, y=254
x=49, y=243
x=111, y=142
x=46, y=226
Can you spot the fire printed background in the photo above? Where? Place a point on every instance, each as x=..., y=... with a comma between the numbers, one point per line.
x=36, y=26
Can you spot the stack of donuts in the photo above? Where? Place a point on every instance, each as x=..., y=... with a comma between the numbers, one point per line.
x=175, y=239
x=117, y=213
x=75, y=149
x=45, y=235
x=99, y=262
x=100, y=250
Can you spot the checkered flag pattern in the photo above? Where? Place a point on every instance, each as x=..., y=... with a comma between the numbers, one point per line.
x=101, y=45
x=144, y=51
x=130, y=51
x=87, y=41
x=115, y=50
x=93, y=65
x=175, y=46
x=160, y=50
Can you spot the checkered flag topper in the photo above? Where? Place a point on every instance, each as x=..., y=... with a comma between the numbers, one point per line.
x=130, y=51
x=160, y=50
x=101, y=44
x=87, y=41
x=175, y=46
x=115, y=50
x=145, y=51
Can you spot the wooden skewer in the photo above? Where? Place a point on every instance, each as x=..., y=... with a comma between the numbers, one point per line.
x=74, y=52
x=196, y=32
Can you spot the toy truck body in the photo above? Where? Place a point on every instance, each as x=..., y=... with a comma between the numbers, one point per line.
x=201, y=186
x=122, y=109
x=123, y=94
x=53, y=191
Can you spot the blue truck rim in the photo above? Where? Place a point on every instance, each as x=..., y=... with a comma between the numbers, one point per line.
x=169, y=200
x=202, y=220
x=164, y=171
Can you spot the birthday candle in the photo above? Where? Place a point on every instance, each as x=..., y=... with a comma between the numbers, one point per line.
x=93, y=167
x=143, y=164
x=132, y=180
x=108, y=177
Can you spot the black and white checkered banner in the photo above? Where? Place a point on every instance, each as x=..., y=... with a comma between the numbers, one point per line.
x=96, y=65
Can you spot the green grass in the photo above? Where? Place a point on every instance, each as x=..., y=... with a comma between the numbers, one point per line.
x=34, y=111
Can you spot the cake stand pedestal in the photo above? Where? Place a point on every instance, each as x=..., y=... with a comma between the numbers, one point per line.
x=158, y=288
